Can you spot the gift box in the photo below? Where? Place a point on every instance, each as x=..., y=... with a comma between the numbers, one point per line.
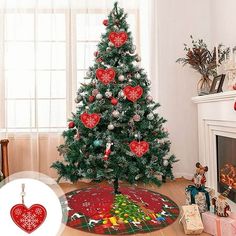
x=201, y=196
x=218, y=226
x=191, y=219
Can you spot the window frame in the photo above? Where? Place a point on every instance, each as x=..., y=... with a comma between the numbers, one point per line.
x=70, y=63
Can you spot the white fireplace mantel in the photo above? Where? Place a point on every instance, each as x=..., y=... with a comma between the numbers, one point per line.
x=216, y=116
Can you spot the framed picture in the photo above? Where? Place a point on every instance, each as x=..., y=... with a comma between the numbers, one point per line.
x=217, y=84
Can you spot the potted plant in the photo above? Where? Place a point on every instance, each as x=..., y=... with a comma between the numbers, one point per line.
x=204, y=61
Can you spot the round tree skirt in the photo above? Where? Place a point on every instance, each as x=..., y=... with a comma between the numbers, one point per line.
x=97, y=210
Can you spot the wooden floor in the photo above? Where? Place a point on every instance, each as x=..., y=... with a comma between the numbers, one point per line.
x=174, y=190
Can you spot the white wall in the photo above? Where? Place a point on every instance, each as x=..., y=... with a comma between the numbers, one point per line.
x=223, y=18
x=176, y=85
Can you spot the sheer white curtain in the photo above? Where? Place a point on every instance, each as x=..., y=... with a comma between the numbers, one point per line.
x=45, y=48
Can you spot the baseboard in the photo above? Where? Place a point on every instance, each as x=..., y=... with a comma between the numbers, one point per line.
x=183, y=175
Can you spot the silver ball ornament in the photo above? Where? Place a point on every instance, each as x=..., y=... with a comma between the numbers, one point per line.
x=78, y=99
x=108, y=49
x=131, y=51
x=116, y=27
x=138, y=59
x=165, y=163
x=110, y=127
x=136, y=117
x=95, y=92
x=121, y=78
x=115, y=113
x=129, y=76
x=99, y=96
x=88, y=73
x=108, y=94
x=149, y=98
x=121, y=94
x=137, y=76
x=150, y=116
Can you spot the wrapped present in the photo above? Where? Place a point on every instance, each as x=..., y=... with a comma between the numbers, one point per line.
x=218, y=226
x=191, y=219
x=201, y=196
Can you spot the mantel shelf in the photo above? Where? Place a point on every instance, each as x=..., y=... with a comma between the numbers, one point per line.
x=228, y=95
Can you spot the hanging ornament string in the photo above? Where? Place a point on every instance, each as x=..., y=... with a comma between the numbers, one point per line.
x=23, y=194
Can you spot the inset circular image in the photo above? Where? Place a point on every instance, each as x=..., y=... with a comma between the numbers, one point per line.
x=30, y=205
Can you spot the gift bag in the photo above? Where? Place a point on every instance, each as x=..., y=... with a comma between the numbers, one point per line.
x=191, y=219
x=201, y=196
x=218, y=226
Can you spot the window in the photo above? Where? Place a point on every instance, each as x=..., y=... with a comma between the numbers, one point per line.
x=45, y=59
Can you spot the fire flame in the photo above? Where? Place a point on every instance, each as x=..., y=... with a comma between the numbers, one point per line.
x=228, y=175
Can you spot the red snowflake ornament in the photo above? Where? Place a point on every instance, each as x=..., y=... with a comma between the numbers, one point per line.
x=118, y=38
x=139, y=148
x=105, y=76
x=90, y=120
x=28, y=219
x=133, y=93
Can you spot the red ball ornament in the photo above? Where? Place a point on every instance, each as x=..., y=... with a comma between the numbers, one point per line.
x=71, y=124
x=235, y=105
x=99, y=59
x=105, y=22
x=91, y=98
x=95, y=53
x=114, y=101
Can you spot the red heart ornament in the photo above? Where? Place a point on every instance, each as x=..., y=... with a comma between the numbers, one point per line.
x=105, y=76
x=133, y=93
x=118, y=38
x=139, y=148
x=28, y=219
x=90, y=120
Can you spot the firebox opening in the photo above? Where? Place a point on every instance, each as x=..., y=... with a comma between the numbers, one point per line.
x=226, y=165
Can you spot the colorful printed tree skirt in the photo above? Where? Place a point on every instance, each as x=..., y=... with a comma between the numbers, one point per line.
x=136, y=210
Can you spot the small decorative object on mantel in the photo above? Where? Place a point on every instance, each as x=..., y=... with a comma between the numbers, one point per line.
x=198, y=193
x=219, y=226
x=204, y=61
x=217, y=84
x=191, y=220
x=230, y=68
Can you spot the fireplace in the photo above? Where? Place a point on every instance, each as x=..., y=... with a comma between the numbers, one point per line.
x=226, y=165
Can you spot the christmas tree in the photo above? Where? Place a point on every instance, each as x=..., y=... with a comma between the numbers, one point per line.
x=115, y=133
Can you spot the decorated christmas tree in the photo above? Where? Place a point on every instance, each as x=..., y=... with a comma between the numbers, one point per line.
x=116, y=133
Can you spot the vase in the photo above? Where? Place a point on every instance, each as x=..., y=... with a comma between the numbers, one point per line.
x=204, y=86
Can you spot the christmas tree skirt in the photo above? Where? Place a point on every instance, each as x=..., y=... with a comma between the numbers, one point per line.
x=97, y=210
